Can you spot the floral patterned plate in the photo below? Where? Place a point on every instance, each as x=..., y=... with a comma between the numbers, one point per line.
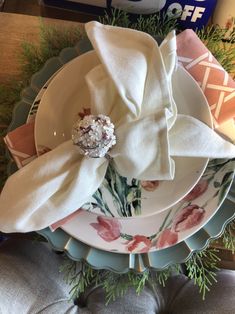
x=147, y=234
x=118, y=197
x=160, y=230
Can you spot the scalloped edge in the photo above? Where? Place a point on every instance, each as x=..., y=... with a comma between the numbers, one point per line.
x=136, y=262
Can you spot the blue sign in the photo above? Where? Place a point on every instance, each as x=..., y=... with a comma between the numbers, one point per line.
x=194, y=13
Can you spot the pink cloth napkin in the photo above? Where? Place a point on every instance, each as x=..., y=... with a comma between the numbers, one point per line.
x=217, y=85
x=215, y=82
x=20, y=143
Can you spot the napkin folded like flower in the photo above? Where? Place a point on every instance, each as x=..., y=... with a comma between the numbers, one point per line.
x=132, y=85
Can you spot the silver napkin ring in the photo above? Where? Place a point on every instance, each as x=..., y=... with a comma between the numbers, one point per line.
x=94, y=135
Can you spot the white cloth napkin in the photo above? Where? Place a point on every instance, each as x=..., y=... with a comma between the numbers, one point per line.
x=132, y=85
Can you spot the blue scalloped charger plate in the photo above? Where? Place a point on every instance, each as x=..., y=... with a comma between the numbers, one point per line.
x=97, y=258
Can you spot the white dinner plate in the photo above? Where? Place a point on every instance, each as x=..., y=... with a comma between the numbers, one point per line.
x=64, y=99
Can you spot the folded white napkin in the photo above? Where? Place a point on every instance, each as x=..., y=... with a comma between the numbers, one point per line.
x=132, y=85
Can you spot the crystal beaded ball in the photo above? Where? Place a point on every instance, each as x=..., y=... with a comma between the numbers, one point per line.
x=94, y=135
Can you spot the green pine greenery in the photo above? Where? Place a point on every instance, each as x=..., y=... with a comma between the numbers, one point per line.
x=52, y=40
x=155, y=25
x=228, y=237
x=9, y=95
x=201, y=266
x=223, y=50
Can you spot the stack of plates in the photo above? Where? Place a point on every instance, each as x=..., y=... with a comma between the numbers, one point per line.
x=125, y=215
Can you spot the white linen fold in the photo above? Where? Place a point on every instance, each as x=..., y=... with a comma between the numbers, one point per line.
x=190, y=137
x=144, y=140
x=132, y=85
x=56, y=184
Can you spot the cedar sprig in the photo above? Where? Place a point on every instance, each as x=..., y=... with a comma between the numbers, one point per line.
x=162, y=276
x=116, y=18
x=223, y=50
x=53, y=39
x=79, y=276
x=228, y=237
x=158, y=24
x=202, y=268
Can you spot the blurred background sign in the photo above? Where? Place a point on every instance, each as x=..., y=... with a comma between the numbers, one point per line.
x=194, y=13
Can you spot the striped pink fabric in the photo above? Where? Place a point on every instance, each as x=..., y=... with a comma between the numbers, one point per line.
x=20, y=143
x=217, y=85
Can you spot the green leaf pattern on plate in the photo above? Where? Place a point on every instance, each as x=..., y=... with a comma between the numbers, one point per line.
x=189, y=212
x=125, y=195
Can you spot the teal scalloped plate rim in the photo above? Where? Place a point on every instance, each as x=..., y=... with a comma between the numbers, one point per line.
x=98, y=259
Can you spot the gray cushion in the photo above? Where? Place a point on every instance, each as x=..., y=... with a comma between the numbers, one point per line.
x=30, y=283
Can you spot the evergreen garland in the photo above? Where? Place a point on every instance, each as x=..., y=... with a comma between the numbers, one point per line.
x=202, y=266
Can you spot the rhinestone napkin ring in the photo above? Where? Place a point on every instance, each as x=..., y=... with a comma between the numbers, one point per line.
x=94, y=135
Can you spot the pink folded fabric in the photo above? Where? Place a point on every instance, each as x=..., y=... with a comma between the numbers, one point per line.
x=217, y=85
x=20, y=143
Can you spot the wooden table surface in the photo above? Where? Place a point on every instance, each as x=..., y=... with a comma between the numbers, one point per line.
x=14, y=30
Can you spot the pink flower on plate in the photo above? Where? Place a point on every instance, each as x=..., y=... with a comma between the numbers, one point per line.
x=107, y=228
x=141, y=242
x=188, y=217
x=85, y=112
x=150, y=186
x=167, y=238
x=197, y=191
